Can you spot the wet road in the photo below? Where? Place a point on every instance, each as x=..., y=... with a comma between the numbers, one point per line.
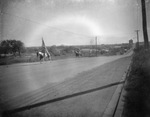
x=25, y=84
x=21, y=78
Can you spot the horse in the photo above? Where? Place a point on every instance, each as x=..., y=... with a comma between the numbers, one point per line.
x=78, y=53
x=43, y=55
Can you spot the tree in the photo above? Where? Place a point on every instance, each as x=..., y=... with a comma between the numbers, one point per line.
x=5, y=47
x=17, y=46
x=146, y=42
x=11, y=46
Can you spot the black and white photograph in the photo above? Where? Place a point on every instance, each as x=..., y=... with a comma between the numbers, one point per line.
x=74, y=58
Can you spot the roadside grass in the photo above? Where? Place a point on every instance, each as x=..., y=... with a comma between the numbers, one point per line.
x=32, y=57
x=137, y=98
x=18, y=59
x=28, y=58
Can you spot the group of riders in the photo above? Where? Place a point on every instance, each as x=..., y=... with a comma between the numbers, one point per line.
x=46, y=55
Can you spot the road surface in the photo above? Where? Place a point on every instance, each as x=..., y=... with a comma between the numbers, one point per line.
x=24, y=84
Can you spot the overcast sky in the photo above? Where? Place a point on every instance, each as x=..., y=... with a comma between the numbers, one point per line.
x=71, y=22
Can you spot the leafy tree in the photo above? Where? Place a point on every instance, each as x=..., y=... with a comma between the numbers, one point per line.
x=16, y=46
x=11, y=46
x=5, y=47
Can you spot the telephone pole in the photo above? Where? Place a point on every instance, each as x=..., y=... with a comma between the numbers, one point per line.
x=137, y=32
x=144, y=22
x=1, y=29
x=96, y=44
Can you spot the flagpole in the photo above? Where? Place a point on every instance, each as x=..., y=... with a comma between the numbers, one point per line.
x=44, y=48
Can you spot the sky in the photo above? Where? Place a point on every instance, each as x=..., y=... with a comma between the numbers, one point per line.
x=71, y=22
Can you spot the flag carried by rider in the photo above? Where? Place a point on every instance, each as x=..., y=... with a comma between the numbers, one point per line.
x=44, y=49
x=43, y=53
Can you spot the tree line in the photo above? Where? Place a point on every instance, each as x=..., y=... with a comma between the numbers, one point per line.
x=11, y=47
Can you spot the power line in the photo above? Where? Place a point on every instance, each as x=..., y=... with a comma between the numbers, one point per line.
x=51, y=27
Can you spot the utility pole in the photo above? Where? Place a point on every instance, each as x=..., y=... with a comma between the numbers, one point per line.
x=1, y=15
x=96, y=44
x=144, y=21
x=137, y=32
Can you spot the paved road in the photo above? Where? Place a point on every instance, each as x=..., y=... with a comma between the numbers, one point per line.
x=62, y=77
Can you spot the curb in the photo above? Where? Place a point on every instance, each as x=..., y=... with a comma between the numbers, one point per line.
x=115, y=106
x=120, y=107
